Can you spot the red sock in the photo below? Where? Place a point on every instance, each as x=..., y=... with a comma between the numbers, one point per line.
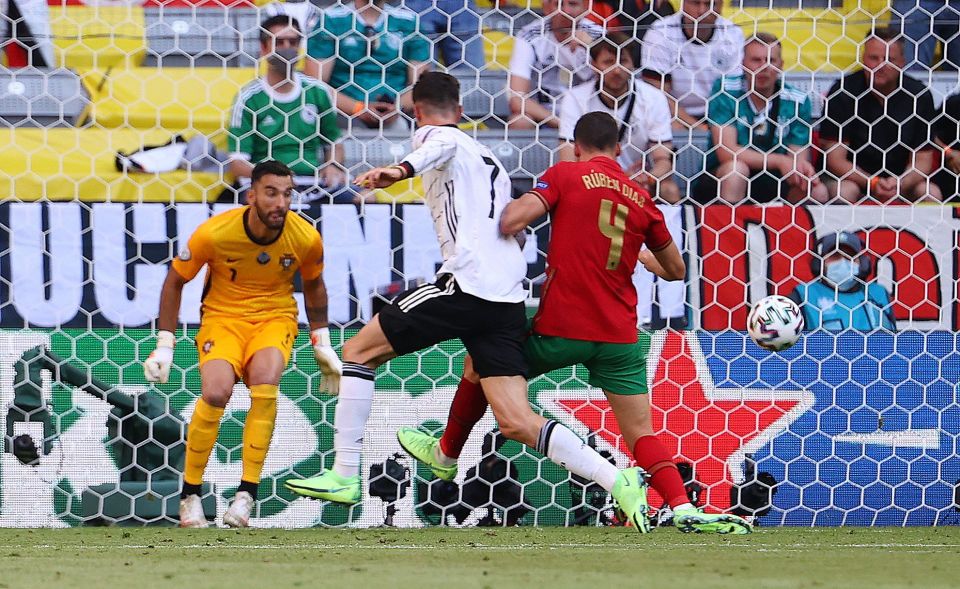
x=468, y=407
x=652, y=457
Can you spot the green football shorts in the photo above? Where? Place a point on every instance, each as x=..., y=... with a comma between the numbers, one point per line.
x=615, y=368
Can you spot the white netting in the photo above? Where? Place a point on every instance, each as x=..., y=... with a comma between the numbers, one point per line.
x=857, y=427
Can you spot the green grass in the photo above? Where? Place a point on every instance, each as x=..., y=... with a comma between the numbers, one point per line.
x=545, y=558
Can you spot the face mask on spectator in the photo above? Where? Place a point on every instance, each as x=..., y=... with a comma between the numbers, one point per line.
x=284, y=59
x=842, y=274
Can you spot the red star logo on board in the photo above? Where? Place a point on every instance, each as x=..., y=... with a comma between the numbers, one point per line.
x=709, y=427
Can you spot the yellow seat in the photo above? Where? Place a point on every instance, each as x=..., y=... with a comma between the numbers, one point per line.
x=497, y=47
x=402, y=192
x=176, y=99
x=98, y=36
x=78, y=164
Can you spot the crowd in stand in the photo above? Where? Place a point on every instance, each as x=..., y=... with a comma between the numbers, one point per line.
x=881, y=139
x=660, y=72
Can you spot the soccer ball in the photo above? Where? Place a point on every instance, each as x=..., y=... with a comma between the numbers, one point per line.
x=775, y=323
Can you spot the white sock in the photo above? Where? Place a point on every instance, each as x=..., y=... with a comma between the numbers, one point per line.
x=442, y=458
x=350, y=419
x=684, y=506
x=566, y=449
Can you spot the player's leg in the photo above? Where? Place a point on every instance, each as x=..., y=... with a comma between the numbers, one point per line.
x=361, y=354
x=266, y=356
x=415, y=320
x=220, y=354
x=620, y=370
x=467, y=409
x=499, y=359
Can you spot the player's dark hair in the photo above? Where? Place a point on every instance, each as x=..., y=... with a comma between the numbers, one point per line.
x=277, y=20
x=597, y=130
x=618, y=44
x=269, y=168
x=438, y=90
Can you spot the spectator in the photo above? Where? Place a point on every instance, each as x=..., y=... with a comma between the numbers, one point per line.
x=759, y=134
x=549, y=57
x=634, y=16
x=840, y=296
x=371, y=54
x=641, y=109
x=454, y=26
x=947, y=129
x=876, y=128
x=285, y=115
x=685, y=53
x=926, y=23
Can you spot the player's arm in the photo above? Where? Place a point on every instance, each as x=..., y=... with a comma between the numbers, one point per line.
x=521, y=212
x=315, y=303
x=435, y=151
x=156, y=368
x=666, y=262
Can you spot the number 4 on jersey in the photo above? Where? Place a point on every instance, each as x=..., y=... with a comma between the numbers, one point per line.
x=613, y=229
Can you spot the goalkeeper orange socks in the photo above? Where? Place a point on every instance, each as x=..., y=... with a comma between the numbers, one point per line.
x=257, y=433
x=652, y=457
x=201, y=436
x=469, y=405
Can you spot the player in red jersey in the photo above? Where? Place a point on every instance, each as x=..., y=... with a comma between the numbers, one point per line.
x=601, y=221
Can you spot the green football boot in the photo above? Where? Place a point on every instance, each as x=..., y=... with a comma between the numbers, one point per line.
x=423, y=447
x=692, y=520
x=630, y=493
x=328, y=486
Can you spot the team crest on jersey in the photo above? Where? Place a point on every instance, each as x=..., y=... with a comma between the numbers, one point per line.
x=263, y=258
x=287, y=260
x=185, y=255
x=542, y=185
x=308, y=112
x=207, y=346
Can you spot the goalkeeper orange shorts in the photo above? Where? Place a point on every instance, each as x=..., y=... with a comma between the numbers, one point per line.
x=237, y=341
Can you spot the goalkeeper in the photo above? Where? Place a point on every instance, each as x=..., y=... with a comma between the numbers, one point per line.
x=248, y=326
x=588, y=312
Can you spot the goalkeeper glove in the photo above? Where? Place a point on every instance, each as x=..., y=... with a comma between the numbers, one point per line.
x=327, y=360
x=156, y=368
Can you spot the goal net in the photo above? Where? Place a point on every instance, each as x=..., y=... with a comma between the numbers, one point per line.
x=854, y=426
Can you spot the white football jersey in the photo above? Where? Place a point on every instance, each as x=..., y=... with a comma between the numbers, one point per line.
x=693, y=66
x=466, y=188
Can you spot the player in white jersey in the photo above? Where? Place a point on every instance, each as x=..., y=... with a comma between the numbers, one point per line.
x=477, y=297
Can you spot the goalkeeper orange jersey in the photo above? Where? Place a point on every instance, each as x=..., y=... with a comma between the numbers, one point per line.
x=245, y=279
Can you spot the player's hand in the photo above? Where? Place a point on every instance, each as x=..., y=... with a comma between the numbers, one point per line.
x=330, y=366
x=380, y=177
x=156, y=368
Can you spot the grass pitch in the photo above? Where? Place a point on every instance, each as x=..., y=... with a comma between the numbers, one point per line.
x=547, y=558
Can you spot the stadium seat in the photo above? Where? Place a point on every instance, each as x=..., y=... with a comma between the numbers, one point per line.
x=485, y=97
x=365, y=151
x=524, y=153
x=184, y=36
x=497, y=47
x=78, y=164
x=814, y=39
x=690, y=152
x=98, y=36
x=175, y=99
x=46, y=98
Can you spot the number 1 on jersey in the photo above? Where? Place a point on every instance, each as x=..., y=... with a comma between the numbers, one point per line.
x=613, y=230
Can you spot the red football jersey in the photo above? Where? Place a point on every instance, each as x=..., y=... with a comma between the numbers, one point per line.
x=600, y=220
